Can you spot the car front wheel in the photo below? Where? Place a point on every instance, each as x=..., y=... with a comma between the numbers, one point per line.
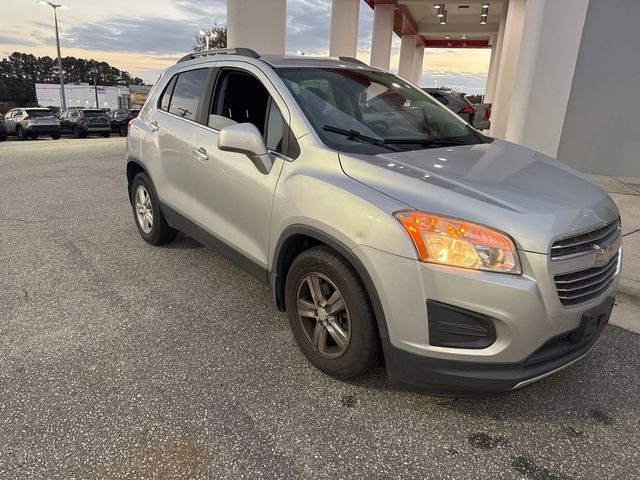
x=150, y=221
x=330, y=314
x=20, y=133
x=122, y=130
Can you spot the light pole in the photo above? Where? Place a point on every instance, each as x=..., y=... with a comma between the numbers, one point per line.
x=94, y=71
x=55, y=7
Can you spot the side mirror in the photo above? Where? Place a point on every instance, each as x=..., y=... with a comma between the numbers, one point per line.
x=246, y=139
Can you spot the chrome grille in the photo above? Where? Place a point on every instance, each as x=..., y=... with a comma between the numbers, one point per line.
x=586, y=242
x=582, y=286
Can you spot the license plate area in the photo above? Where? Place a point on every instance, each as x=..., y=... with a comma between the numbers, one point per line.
x=593, y=321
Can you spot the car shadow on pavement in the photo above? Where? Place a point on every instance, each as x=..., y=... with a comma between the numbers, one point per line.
x=600, y=389
x=182, y=242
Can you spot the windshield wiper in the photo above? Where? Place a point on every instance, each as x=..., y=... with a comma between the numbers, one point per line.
x=427, y=142
x=356, y=136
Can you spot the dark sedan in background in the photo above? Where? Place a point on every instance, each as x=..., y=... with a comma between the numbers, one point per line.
x=455, y=101
x=120, y=120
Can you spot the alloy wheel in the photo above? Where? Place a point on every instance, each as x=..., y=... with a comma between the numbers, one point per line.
x=323, y=315
x=144, y=209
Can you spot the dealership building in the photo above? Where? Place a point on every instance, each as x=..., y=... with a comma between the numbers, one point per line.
x=563, y=74
x=84, y=95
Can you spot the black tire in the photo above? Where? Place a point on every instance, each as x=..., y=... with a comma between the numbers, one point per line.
x=33, y=136
x=56, y=136
x=79, y=132
x=362, y=353
x=160, y=232
x=106, y=134
x=20, y=133
x=122, y=130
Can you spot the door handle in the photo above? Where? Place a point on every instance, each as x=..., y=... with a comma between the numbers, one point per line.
x=200, y=153
x=154, y=126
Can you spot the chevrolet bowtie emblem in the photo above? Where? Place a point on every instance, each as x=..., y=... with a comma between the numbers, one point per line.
x=603, y=255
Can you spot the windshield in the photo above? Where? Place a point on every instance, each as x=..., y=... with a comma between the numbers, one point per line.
x=94, y=113
x=39, y=113
x=368, y=112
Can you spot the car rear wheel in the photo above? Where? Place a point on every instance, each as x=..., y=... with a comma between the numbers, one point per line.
x=33, y=136
x=106, y=134
x=79, y=132
x=122, y=130
x=150, y=221
x=56, y=136
x=20, y=133
x=330, y=314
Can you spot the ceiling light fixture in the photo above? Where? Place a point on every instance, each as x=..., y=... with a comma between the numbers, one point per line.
x=485, y=5
x=463, y=37
x=485, y=12
x=443, y=18
x=447, y=37
x=483, y=20
x=436, y=6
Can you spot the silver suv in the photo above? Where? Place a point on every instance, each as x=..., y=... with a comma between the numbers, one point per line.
x=386, y=227
x=31, y=123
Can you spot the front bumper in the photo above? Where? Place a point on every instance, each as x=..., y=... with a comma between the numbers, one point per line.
x=459, y=378
x=531, y=325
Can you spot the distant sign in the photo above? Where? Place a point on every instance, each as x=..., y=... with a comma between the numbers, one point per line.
x=102, y=91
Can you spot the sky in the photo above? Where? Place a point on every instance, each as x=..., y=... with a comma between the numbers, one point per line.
x=145, y=36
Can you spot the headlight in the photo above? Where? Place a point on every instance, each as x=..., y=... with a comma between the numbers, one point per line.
x=458, y=243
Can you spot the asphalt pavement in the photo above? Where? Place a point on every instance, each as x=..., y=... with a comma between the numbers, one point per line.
x=123, y=360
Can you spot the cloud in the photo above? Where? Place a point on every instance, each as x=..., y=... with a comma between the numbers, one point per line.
x=308, y=27
x=15, y=41
x=153, y=35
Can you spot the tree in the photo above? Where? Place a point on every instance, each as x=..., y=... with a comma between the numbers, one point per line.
x=217, y=38
x=19, y=73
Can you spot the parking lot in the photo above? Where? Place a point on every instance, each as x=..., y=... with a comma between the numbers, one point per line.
x=121, y=360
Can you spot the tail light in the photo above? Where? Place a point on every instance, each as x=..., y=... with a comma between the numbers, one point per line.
x=487, y=113
x=469, y=109
x=129, y=124
x=28, y=117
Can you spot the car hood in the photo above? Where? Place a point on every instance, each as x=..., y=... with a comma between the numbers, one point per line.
x=534, y=198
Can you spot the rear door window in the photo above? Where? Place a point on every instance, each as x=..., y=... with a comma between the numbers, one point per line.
x=187, y=93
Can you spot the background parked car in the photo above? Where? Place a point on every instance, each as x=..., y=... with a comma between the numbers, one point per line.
x=482, y=119
x=120, y=120
x=83, y=122
x=455, y=101
x=32, y=122
x=3, y=129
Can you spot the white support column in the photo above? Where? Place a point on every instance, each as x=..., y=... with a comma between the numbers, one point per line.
x=407, y=52
x=507, y=69
x=496, y=55
x=382, y=33
x=418, y=61
x=257, y=24
x=344, y=28
x=547, y=62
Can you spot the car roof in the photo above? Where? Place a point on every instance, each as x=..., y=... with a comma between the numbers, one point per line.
x=275, y=61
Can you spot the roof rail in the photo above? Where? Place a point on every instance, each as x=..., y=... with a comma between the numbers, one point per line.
x=352, y=60
x=244, y=52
